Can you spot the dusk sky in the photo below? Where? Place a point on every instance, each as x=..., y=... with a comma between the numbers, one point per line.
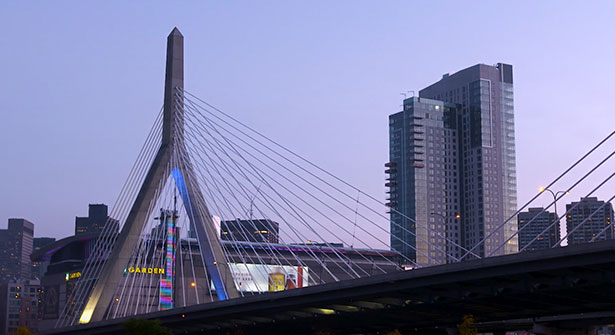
x=82, y=81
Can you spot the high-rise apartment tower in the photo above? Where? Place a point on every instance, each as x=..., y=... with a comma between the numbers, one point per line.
x=423, y=180
x=452, y=169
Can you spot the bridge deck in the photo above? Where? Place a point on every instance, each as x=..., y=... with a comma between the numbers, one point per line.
x=544, y=284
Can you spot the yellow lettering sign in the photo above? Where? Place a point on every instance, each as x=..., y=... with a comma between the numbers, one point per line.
x=72, y=275
x=132, y=270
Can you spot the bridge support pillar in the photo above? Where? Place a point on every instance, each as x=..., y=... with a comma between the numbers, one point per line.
x=545, y=329
x=171, y=159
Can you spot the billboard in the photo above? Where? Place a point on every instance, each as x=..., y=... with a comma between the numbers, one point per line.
x=268, y=278
x=50, y=301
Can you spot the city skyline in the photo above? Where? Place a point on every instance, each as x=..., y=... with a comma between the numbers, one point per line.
x=343, y=82
x=282, y=162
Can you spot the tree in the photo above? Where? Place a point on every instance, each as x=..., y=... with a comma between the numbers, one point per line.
x=21, y=330
x=467, y=326
x=145, y=327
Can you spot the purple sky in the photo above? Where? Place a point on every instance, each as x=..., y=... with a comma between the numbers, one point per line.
x=82, y=82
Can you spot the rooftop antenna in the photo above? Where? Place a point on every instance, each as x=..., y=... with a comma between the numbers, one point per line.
x=254, y=197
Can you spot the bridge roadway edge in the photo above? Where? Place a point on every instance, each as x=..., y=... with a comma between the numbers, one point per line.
x=269, y=305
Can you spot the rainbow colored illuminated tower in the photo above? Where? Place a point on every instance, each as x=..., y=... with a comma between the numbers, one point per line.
x=167, y=280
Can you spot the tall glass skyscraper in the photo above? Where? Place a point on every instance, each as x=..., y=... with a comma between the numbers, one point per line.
x=464, y=187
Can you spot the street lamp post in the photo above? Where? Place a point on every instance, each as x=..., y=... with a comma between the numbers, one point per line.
x=554, y=194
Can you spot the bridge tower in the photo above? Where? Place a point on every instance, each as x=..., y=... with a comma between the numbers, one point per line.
x=183, y=174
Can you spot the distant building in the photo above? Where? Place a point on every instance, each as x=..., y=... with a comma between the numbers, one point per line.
x=532, y=223
x=20, y=305
x=95, y=221
x=452, y=153
x=39, y=268
x=16, y=244
x=255, y=230
x=588, y=218
x=252, y=265
x=65, y=259
x=320, y=244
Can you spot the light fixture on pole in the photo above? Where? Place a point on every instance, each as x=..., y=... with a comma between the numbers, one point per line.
x=555, y=194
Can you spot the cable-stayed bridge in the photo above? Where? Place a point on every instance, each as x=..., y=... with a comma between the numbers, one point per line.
x=218, y=227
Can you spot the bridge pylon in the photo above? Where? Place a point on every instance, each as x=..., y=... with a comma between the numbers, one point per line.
x=170, y=161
